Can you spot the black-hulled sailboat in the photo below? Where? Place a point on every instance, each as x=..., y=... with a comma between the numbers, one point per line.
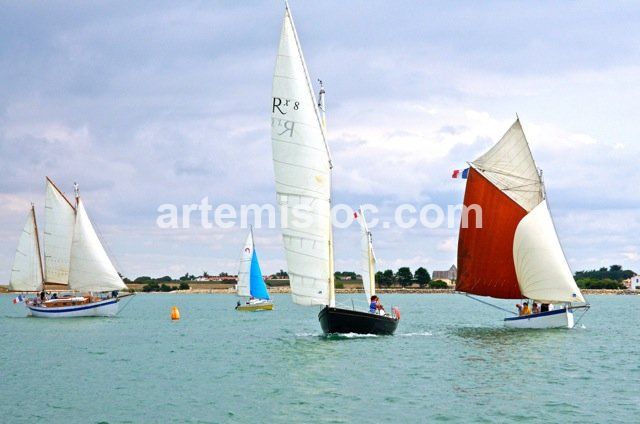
x=302, y=164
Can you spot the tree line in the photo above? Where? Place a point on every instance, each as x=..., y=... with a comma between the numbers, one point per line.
x=603, y=278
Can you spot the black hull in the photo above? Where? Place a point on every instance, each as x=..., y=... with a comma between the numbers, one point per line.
x=337, y=320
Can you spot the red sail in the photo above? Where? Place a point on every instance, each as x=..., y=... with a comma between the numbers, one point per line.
x=485, y=255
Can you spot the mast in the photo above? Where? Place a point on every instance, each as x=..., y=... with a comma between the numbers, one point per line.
x=332, y=278
x=76, y=192
x=35, y=226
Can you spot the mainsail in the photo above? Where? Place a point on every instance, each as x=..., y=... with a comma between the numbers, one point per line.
x=302, y=168
x=368, y=258
x=513, y=250
x=26, y=273
x=90, y=268
x=60, y=218
x=242, y=287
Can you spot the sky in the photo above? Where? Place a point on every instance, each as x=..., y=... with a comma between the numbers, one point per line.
x=148, y=103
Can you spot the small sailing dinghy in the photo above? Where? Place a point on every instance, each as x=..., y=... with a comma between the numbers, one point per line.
x=516, y=253
x=250, y=281
x=302, y=165
x=74, y=257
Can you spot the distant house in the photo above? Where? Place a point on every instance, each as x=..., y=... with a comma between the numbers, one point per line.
x=448, y=276
x=218, y=279
x=634, y=282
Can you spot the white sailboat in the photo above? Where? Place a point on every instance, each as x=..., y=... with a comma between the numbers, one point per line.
x=250, y=281
x=302, y=165
x=516, y=253
x=74, y=257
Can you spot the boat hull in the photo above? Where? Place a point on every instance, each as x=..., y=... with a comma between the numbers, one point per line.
x=252, y=307
x=103, y=308
x=338, y=320
x=561, y=318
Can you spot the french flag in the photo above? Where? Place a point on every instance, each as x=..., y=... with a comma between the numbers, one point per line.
x=460, y=173
x=18, y=299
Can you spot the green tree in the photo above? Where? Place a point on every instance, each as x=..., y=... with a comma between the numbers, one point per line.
x=404, y=276
x=438, y=284
x=423, y=277
x=184, y=286
x=387, y=278
x=142, y=279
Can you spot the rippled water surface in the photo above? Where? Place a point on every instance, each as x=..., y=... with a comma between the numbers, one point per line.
x=450, y=360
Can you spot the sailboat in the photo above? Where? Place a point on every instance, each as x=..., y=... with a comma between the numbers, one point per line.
x=302, y=165
x=354, y=321
x=74, y=258
x=514, y=253
x=250, y=281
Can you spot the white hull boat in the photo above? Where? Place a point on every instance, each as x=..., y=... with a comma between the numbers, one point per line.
x=561, y=318
x=516, y=253
x=74, y=258
x=103, y=308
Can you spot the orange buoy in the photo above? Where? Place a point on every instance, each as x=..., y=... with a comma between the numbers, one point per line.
x=175, y=313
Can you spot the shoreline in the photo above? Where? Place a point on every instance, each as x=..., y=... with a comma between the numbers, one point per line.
x=286, y=290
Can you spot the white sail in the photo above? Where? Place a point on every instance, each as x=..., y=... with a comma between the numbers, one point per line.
x=243, y=286
x=541, y=267
x=90, y=267
x=368, y=258
x=26, y=273
x=302, y=173
x=509, y=165
x=60, y=220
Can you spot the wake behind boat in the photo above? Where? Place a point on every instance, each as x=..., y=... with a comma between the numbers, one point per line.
x=250, y=281
x=302, y=165
x=74, y=259
x=515, y=253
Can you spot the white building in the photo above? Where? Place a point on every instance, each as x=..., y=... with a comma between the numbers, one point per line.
x=635, y=282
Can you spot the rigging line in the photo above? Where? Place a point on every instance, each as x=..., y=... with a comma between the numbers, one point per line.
x=586, y=309
x=501, y=172
x=487, y=303
x=126, y=304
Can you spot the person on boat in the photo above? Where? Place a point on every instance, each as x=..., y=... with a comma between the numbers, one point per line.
x=114, y=294
x=379, y=306
x=544, y=307
x=523, y=310
x=536, y=308
x=373, y=306
x=551, y=306
x=54, y=296
x=43, y=296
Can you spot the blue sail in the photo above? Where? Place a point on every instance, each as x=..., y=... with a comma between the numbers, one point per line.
x=257, y=287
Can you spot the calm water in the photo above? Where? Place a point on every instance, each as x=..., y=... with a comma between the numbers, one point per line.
x=451, y=360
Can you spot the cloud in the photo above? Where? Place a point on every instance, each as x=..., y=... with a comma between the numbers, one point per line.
x=152, y=103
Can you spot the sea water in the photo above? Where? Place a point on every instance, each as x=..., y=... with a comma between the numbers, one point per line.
x=451, y=360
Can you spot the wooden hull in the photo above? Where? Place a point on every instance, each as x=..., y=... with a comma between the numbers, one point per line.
x=262, y=306
x=338, y=320
x=560, y=318
x=103, y=308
